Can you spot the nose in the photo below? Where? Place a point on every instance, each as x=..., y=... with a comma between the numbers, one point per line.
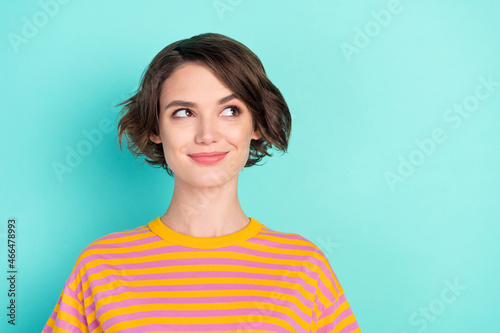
x=207, y=130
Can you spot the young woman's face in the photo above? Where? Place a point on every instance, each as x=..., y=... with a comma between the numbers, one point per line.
x=199, y=114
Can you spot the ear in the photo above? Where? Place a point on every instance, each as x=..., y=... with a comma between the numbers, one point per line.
x=155, y=138
x=256, y=134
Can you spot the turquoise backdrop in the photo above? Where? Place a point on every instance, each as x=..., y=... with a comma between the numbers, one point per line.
x=390, y=169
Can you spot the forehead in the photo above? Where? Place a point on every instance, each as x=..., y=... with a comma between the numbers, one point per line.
x=193, y=77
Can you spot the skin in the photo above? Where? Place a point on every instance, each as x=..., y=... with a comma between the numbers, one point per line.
x=205, y=199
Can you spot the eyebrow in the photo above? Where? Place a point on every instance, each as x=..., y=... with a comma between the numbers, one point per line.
x=191, y=104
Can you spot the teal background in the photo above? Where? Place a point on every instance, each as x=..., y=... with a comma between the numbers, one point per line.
x=394, y=248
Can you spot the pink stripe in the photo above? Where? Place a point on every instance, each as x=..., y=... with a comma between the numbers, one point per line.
x=64, y=325
x=64, y=307
x=350, y=328
x=127, y=233
x=202, y=287
x=334, y=306
x=177, y=249
x=343, y=315
x=284, y=246
x=181, y=249
x=282, y=235
x=94, y=324
x=194, y=261
x=208, y=328
x=208, y=274
x=197, y=261
x=205, y=300
x=72, y=277
x=47, y=329
x=163, y=288
x=339, y=318
x=87, y=292
x=74, y=312
x=337, y=321
x=329, y=273
x=326, y=291
x=84, y=258
x=201, y=313
x=181, y=262
x=136, y=242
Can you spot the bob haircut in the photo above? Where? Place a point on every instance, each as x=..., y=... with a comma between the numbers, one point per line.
x=236, y=66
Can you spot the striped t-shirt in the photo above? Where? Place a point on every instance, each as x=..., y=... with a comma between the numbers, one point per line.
x=154, y=279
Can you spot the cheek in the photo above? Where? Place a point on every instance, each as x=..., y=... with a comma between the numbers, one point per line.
x=239, y=136
x=173, y=141
x=239, y=141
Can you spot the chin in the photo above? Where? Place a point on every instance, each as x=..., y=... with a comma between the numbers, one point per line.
x=210, y=175
x=205, y=178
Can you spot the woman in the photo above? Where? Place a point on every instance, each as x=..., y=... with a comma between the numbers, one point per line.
x=204, y=110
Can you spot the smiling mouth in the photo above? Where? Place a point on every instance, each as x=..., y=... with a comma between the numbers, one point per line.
x=208, y=158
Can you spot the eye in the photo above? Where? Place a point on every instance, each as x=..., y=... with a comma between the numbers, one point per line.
x=233, y=110
x=186, y=111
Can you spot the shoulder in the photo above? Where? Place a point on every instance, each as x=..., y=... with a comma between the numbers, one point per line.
x=105, y=250
x=114, y=245
x=121, y=237
x=312, y=261
x=287, y=238
x=295, y=244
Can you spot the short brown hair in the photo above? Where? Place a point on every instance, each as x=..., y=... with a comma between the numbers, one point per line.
x=236, y=66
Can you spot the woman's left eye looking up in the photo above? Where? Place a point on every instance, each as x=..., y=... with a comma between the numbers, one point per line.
x=236, y=110
x=186, y=112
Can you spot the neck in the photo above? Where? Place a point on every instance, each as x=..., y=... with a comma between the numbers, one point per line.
x=205, y=211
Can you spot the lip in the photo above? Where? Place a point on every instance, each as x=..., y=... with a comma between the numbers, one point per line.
x=208, y=157
x=208, y=154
